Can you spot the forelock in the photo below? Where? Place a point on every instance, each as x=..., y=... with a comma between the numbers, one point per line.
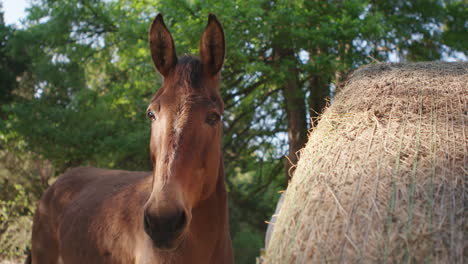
x=188, y=73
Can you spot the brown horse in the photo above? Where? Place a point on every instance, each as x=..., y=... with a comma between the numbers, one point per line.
x=176, y=214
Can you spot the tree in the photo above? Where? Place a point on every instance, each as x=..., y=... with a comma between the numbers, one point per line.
x=10, y=66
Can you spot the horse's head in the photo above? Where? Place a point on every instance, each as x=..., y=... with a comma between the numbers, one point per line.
x=185, y=132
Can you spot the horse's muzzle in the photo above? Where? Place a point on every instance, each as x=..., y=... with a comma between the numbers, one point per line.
x=165, y=231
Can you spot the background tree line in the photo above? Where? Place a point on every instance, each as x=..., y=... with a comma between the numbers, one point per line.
x=77, y=77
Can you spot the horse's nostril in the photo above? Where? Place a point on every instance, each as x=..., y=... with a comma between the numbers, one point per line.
x=164, y=228
x=180, y=221
x=147, y=224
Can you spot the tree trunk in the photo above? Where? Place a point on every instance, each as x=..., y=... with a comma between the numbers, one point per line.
x=319, y=87
x=295, y=108
x=340, y=74
x=319, y=93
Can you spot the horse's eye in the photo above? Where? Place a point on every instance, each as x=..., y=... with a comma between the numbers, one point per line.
x=212, y=119
x=151, y=115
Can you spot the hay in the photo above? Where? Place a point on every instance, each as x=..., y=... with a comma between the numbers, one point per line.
x=382, y=178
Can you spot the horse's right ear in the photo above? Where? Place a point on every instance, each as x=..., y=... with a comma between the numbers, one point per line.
x=162, y=46
x=212, y=46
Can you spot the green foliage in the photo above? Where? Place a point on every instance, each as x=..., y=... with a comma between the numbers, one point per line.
x=10, y=67
x=456, y=33
x=70, y=136
x=247, y=243
x=15, y=223
x=76, y=81
x=23, y=178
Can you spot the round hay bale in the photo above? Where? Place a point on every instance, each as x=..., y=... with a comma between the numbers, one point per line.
x=382, y=178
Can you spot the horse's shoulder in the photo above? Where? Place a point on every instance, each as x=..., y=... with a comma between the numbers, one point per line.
x=89, y=187
x=79, y=178
x=95, y=204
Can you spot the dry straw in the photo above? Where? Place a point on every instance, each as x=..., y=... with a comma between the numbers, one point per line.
x=383, y=176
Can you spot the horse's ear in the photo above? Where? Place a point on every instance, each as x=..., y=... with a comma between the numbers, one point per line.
x=212, y=46
x=162, y=46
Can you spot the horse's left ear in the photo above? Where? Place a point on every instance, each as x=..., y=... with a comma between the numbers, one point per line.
x=212, y=46
x=162, y=46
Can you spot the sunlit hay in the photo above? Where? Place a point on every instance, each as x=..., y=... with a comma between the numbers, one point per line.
x=382, y=178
